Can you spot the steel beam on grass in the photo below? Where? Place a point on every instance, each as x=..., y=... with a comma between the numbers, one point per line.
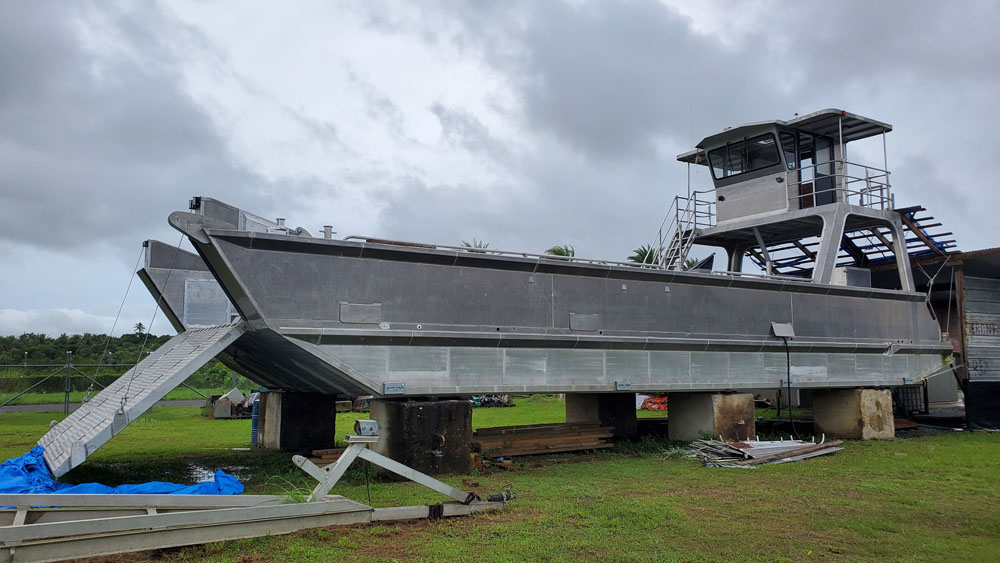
x=11, y=535
x=105, y=536
x=358, y=447
x=141, y=500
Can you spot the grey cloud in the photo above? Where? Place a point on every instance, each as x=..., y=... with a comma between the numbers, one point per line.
x=612, y=83
x=610, y=77
x=52, y=321
x=464, y=130
x=605, y=88
x=839, y=43
x=100, y=148
x=604, y=212
x=613, y=79
x=380, y=107
x=920, y=181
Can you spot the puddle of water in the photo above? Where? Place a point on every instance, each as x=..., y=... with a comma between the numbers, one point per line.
x=199, y=473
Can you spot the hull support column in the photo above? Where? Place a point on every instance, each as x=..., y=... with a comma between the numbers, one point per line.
x=607, y=409
x=693, y=416
x=856, y=414
x=431, y=436
x=297, y=422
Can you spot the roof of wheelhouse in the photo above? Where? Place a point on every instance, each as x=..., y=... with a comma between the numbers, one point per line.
x=827, y=122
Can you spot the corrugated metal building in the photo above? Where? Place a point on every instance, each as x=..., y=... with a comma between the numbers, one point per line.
x=964, y=291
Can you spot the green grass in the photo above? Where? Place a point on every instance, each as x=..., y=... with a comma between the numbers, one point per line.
x=76, y=396
x=932, y=498
x=770, y=413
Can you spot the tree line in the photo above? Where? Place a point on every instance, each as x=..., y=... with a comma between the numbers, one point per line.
x=33, y=348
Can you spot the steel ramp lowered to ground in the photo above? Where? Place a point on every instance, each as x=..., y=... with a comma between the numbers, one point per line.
x=71, y=441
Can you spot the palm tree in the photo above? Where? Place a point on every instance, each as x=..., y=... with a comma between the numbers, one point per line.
x=690, y=263
x=562, y=251
x=477, y=246
x=645, y=254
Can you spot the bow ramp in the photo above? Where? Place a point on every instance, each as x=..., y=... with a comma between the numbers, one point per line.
x=71, y=441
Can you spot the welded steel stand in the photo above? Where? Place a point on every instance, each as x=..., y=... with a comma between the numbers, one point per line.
x=358, y=448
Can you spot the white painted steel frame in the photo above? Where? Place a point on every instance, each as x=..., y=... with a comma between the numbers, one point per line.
x=358, y=448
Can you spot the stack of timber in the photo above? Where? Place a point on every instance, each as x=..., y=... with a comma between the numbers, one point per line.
x=322, y=458
x=510, y=441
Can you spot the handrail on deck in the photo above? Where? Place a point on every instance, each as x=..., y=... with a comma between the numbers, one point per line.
x=496, y=252
x=653, y=266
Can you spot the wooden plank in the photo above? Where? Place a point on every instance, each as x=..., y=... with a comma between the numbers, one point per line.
x=920, y=234
x=511, y=441
x=542, y=445
x=557, y=437
x=541, y=436
x=551, y=440
x=328, y=452
x=805, y=250
x=526, y=437
x=533, y=427
x=551, y=450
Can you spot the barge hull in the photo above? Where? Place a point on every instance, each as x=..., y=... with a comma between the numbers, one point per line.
x=418, y=320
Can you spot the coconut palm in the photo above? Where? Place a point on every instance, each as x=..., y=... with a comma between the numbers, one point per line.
x=645, y=254
x=479, y=246
x=562, y=251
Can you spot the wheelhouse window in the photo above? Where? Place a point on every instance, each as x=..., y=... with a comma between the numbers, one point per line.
x=788, y=147
x=744, y=156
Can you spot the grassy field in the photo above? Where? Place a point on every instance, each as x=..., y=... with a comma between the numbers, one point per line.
x=933, y=498
x=77, y=396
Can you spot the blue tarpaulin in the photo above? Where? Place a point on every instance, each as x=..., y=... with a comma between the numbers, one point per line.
x=28, y=474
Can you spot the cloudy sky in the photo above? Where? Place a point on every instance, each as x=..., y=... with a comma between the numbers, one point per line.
x=524, y=124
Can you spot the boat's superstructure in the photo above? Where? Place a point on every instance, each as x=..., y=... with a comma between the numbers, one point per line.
x=368, y=316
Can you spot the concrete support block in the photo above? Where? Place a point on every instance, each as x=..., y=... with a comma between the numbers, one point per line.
x=982, y=404
x=607, y=409
x=696, y=415
x=297, y=422
x=855, y=414
x=433, y=437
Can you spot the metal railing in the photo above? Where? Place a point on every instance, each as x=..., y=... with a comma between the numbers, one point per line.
x=496, y=252
x=67, y=371
x=676, y=233
x=850, y=182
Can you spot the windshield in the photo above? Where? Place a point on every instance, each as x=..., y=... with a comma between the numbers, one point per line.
x=744, y=156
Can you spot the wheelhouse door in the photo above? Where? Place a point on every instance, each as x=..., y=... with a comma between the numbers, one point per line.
x=824, y=182
x=815, y=166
